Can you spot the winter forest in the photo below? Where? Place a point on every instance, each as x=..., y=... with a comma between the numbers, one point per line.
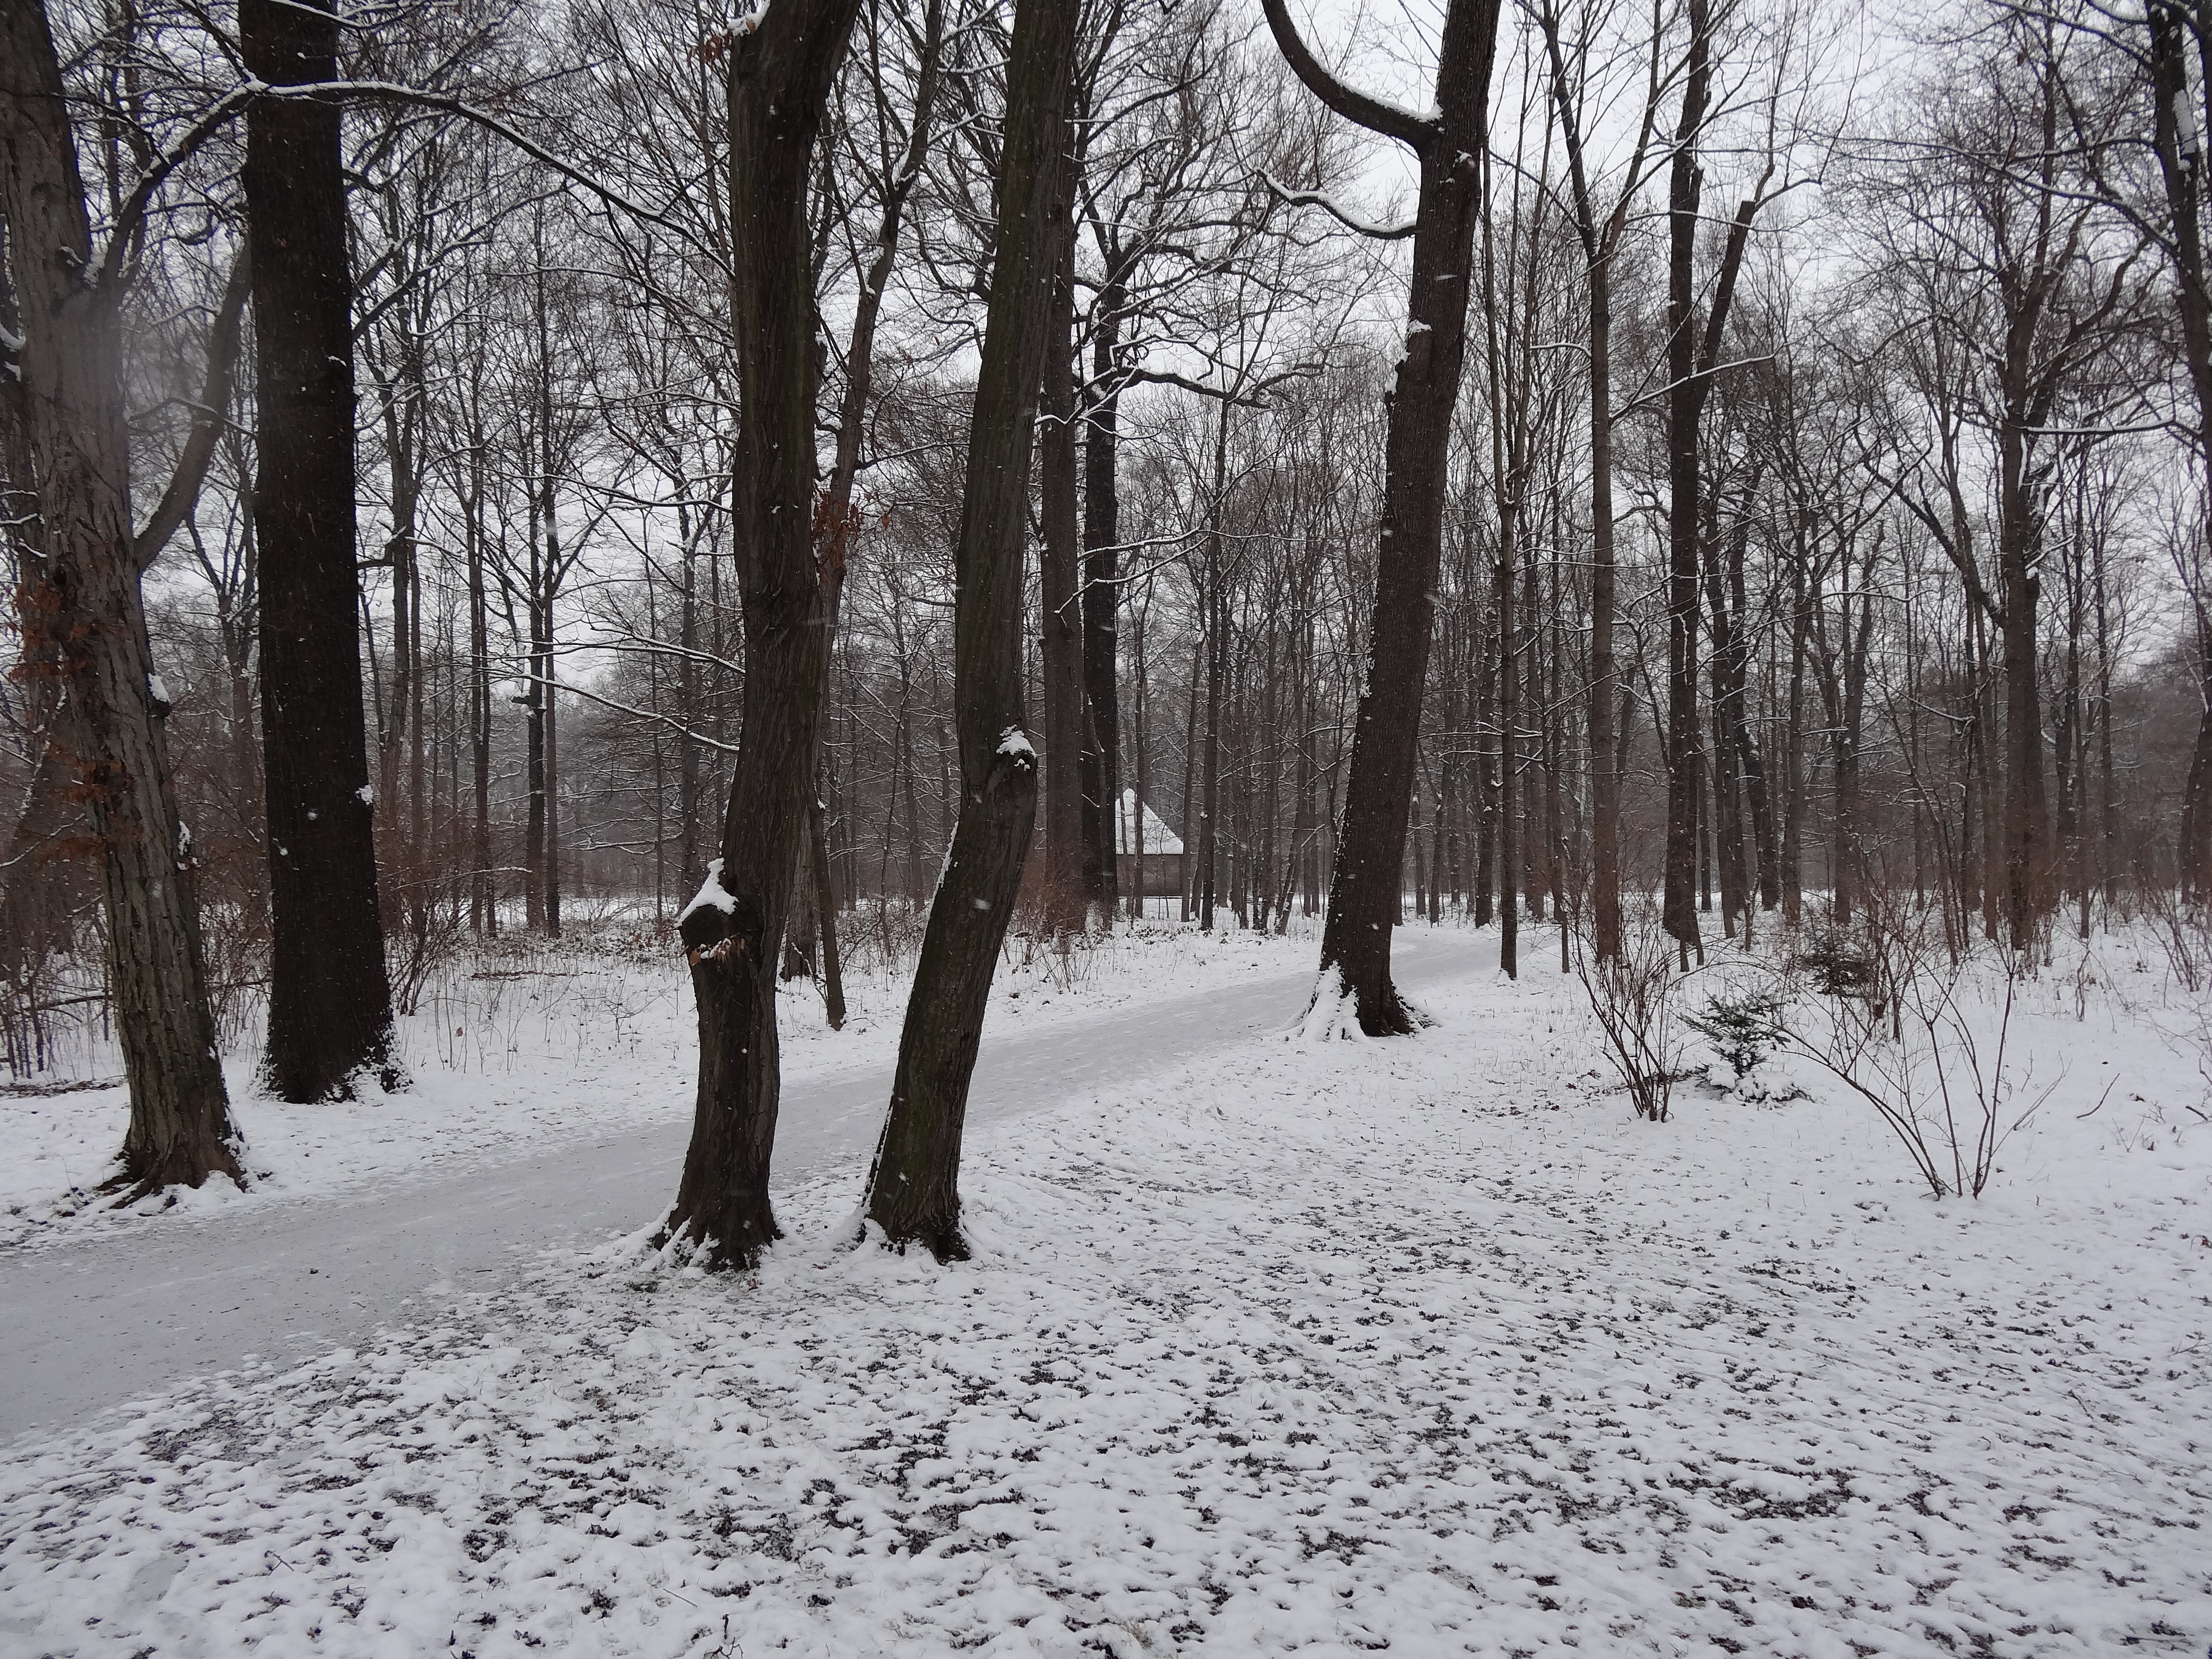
x=806, y=811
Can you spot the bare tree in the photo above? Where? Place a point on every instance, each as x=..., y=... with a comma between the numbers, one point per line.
x=1449, y=141
x=781, y=65
x=912, y=1191
x=84, y=623
x=330, y=1000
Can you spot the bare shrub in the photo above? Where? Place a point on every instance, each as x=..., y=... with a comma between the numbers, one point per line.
x=2184, y=927
x=1631, y=997
x=1943, y=1083
x=429, y=940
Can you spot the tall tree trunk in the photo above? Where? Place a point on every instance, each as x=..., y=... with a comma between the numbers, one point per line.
x=2176, y=27
x=1686, y=398
x=330, y=1000
x=1802, y=599
x=2027, y=814
x=484, y=896
x=1069, y=880
x=1505, y=604
x=914, y=1190
x=82, y=616
x=1216, y=634
x=779, y=78
x=1605, y=779
x=1365, y=888
x=1101, y=598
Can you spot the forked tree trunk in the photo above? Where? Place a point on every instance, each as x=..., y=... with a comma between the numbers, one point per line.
x=780, y=76
x=330, y=1000
x=1693, y=358
x=82, y=616
x=1365, y=888
x=913, y=1186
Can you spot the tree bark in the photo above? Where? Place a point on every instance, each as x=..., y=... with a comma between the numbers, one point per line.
x=82, y=620
x=779, y=78
x=1686, y=398
x=330, y=1000
x=1070, y=876
x=913, y=1187
x=1365, y=889
x=1101, y=598
x=2175, y=27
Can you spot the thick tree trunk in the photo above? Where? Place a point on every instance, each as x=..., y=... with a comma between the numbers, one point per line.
x=913, y=1187
x=330, y=1000
x=82, y=618
x=1365, y=889
x=780, y=76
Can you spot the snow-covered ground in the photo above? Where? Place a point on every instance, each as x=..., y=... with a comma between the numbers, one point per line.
x=526, y=1045
x=1303, y=1347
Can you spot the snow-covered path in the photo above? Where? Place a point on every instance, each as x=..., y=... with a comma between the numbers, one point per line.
x=1295, y=1348
x=97, y=1322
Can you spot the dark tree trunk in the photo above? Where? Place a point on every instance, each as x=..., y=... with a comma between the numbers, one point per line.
x=1215, y=632
x=1505, y=605
x=1793, y=744
x=1693, y=356
x=82, y=618
x=483, y=894
x=780, y=76
x=2176, y=27
x=1605, y=778
x=1685, y=400
x=913, y=1188
x=330, y=1000
x=1102, y=595
x=1070, y=861
x=1365, y=889
x=2027, y=814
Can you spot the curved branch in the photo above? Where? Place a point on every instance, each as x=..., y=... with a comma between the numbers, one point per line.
x=1314, y=199
x=1417, y=132
x=233, y=103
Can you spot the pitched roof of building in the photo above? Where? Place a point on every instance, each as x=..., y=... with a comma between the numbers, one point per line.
x=1158, y=838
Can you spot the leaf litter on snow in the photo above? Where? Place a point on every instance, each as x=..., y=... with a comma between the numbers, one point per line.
x=1322, y=1348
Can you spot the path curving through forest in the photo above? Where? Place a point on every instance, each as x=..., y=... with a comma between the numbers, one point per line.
x=99, y=1323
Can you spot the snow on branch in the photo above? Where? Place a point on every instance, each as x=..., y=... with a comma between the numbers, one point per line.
x=1329, y=206
x=1377, y=115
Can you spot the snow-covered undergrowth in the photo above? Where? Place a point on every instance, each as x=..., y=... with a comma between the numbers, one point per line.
x=526, y=1044
x=1319, y=1347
